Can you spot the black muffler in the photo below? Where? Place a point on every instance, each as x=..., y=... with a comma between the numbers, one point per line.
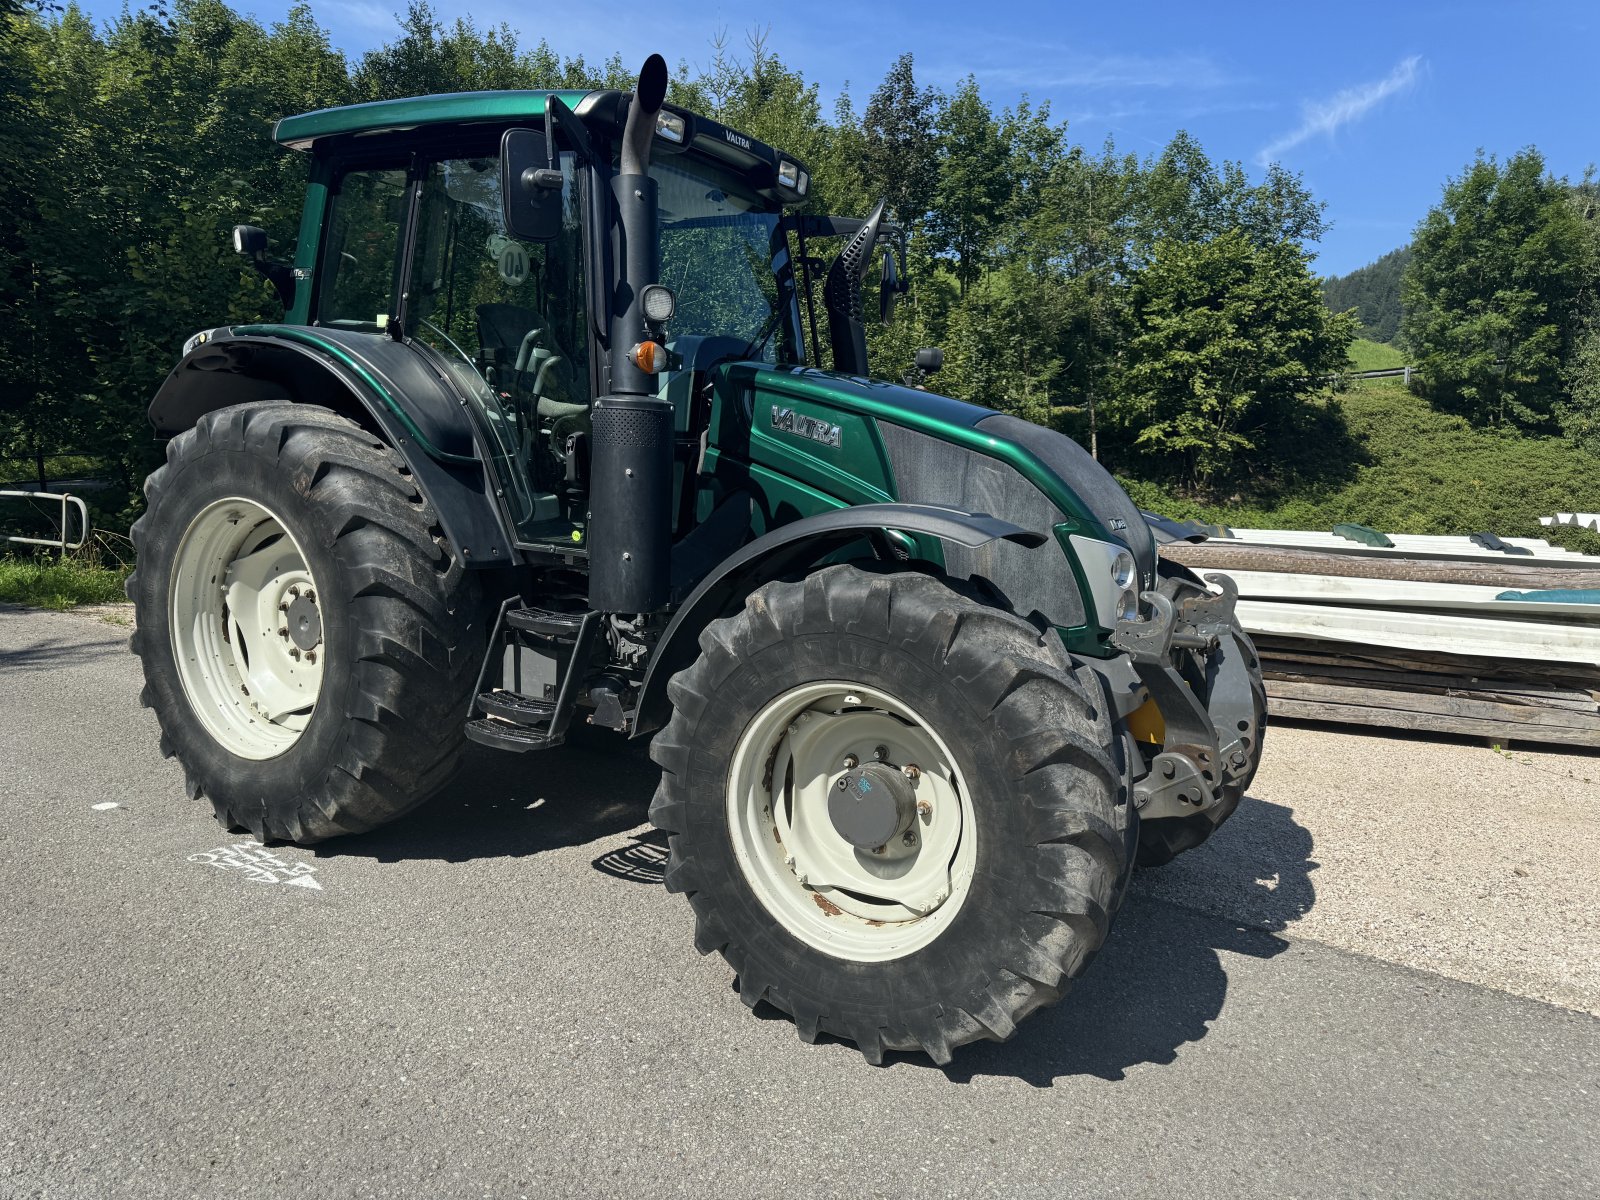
x=630, y=472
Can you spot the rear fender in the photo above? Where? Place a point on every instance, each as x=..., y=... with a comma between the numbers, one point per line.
x=386, y=387
x=791, y=548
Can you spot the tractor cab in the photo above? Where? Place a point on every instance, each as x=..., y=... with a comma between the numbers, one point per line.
x=476, y=228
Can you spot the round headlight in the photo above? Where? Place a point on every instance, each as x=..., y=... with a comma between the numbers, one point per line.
x=1128, y=605
x=1122, y=569
x=658, y=302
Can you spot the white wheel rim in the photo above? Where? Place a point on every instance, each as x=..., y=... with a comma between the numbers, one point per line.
x=237, y=579
x=850, y=903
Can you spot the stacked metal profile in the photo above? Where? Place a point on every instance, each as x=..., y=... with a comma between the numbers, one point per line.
x=1476, y=635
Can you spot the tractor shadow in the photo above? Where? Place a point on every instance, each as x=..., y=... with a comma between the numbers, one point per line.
x=508, y=806
x=1161, y=980
x=1159, y=983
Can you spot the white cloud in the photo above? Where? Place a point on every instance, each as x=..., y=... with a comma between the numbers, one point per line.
x=1350, y=104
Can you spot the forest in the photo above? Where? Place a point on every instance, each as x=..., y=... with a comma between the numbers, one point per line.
x=1165, y=310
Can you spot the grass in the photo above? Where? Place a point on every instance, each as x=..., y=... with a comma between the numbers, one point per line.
x=59, y=584
x=1374, y=356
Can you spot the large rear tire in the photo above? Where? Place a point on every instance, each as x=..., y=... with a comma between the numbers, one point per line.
x=309, y=644
x=998, y=880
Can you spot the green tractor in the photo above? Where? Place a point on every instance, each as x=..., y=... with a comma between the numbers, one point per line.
x=545, y=436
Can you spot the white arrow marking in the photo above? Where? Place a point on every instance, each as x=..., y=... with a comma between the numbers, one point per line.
x=304, y=881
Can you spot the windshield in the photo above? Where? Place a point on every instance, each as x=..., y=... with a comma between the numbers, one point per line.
x=722, y=254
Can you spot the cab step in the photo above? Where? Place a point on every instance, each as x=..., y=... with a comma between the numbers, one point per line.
x=493, y=732
x=546, y=622
x=517, y=708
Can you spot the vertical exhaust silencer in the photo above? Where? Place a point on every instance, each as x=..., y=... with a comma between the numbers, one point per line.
x=630, y=470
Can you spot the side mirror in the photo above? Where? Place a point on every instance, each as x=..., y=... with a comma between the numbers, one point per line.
x=929, y=359
x=889, y=287
x=249, y=240
x=530, y=186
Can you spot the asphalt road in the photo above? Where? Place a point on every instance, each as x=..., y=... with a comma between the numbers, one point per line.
x=496, y=997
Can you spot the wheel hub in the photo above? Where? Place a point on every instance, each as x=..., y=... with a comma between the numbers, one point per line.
x=851, y=821
x=246, y=630
x=305, y=622
x=872, y=805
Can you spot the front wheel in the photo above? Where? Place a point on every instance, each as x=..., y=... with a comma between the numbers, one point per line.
x=309, y=646
x=896, y=810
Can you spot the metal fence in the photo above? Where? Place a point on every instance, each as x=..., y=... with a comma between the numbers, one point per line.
x=64, y=499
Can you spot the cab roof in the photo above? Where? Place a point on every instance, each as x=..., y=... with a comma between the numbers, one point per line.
x=386, y=116
x=755, y=160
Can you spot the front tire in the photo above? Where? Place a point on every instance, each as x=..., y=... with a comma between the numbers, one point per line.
x=985, y=900
x=309, y=644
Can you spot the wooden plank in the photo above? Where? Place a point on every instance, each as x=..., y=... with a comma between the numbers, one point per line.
x=1356, y=714
x=1402, y=594
x=1531, y=694
x=1443, y=632
x=1503, y=573
x=1418, y=702
x=1474, y=666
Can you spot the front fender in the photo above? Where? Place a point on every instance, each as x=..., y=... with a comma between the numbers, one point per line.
x=790, y=548
x=385, y=386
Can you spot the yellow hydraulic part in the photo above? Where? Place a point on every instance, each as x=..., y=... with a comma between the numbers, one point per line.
x=1147, y=724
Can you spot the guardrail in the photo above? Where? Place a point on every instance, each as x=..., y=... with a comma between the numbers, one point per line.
x=63, y=498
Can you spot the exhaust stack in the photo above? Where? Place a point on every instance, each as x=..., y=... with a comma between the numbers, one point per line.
x=630, y=474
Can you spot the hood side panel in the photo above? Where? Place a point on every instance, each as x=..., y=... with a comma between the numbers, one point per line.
x=928, y=470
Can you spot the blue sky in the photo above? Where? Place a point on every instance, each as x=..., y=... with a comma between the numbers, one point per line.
x=1375, y=104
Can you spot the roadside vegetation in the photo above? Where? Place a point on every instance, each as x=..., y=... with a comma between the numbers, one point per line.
x=1411, y=469
x=59, y=583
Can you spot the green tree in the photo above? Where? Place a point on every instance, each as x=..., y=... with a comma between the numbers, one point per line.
x=1580, y=413
x=1491, y=293
x=974, y=183
x=1231, y=336
x=900, y=144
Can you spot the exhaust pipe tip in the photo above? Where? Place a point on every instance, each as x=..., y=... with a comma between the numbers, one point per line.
x=648, y=96
x=651, y=90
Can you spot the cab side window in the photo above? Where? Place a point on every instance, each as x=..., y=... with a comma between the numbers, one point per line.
x=514, y=309
x=357, y=275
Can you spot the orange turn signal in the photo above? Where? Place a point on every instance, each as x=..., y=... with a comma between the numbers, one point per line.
x=649, y=357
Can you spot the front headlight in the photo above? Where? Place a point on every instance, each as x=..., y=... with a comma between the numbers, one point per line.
x=1122, y=569
x=1113, y=579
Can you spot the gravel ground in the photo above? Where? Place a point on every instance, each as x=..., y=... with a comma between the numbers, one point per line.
x=1476, y=864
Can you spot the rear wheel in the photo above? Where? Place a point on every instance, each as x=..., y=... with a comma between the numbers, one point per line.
x=309, y=645
x=896, y=810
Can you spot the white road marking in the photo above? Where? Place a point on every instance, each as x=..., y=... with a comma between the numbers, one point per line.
x=105, y=806
x=258, y=865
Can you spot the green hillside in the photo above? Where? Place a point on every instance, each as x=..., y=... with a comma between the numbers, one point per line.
x=1418, y=471
x=1374, y=292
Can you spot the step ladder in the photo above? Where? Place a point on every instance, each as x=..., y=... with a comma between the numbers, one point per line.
x=507, y=719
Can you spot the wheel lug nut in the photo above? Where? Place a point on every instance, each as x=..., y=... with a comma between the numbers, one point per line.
x=924, y=810
x=311, y=596
x=283, y=606
x=311, y=656
x=909, y=838
x=880, y=753
x=851, y=762
x=911, y=771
